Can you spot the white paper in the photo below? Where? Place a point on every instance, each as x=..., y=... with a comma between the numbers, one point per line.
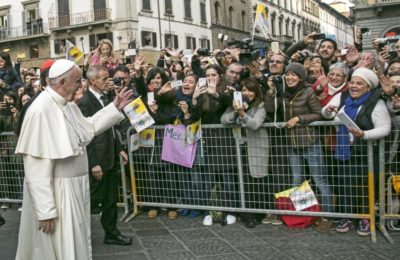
x=303, y=199
x=150, y=98
x=346, y=120
x=130, y=52
x=134, y=142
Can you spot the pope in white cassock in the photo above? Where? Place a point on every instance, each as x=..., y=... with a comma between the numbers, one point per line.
x=55, y=221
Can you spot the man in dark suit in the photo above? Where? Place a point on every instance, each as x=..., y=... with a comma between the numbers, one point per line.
x=103, y=154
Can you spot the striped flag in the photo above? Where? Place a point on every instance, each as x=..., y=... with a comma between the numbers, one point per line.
x=73, y=53
x=261, y=19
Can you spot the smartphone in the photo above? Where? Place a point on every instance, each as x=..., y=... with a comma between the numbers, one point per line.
x=176, y=84
x=202, y=82
x=237, y=96
x=245, y=58
x=275, y=47
x=343, y=52
x=319, y=36
x=150, y=98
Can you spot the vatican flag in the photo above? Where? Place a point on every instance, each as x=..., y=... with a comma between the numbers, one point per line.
x=73, y=53
x=261, y=19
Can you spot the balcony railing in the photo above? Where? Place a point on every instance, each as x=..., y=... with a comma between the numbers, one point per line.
x=31, y=29
x=80, y=18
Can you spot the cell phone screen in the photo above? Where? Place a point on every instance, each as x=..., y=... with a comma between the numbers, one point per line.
x=237, y=96
x=319, y=36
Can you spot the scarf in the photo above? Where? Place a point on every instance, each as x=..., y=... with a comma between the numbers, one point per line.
x=290, y=93
x=351, y=107
x=181, y=97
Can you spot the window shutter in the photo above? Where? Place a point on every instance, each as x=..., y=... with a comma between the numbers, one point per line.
x=193, y=43
x=176, y=45
x=154, y=39
x=57, y=46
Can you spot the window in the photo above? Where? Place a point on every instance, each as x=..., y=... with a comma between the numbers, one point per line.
x=171, y=41
x=217, y=8
x=273, y=25
x=34, y=51
x=243, y=20
x=230, y=19
x=188, y=9
x=294, y=30
x=280, y=26
x=203, y=17
x=149, y=39
x=190, y=43
x=146, y=5
x=168, y=7
x=287, y=27
x=205, y=43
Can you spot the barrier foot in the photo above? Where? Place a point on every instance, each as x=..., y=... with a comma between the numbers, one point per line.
x=133, y=215
x=382, y=228
x=123, y=216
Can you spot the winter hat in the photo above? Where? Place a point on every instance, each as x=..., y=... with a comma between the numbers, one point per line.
x=299, y=69
x=367, y=75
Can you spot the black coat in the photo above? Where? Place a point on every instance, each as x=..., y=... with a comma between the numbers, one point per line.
x=104, y=147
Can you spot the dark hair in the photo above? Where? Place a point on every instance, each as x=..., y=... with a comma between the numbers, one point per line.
x=122, y=68
x=11, y=95
x=253, y=85
x=6, y=57
x=329, y=40
x=397, y=60
x=196, y=78
x=151, y=74
x=215, y=67
x=324, y=63
x=394, y=73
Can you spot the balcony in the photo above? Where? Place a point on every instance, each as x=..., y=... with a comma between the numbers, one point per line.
x=31, y=30
x=79, y=19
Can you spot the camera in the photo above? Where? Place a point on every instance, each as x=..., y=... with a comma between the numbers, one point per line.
x=303, y=56
x=118, y=81
x=249, y=51
x=278, y=82
x=203, y=52
x=6, y=111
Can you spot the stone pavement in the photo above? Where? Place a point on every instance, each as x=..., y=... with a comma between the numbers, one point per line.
x=186, y=238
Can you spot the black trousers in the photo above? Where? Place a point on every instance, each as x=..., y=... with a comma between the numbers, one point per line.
x=105, y=191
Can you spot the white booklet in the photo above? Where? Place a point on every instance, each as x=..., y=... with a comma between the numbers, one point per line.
x=346, y=120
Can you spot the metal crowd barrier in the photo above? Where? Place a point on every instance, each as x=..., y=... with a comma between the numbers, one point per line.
x=389, y=183
x=12, y=174
x=221, y=179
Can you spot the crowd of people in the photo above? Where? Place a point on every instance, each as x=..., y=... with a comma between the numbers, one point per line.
x=310, y=81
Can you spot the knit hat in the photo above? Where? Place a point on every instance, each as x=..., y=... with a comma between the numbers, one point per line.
x=367, y=75
x=60, y=67
x=299, y=69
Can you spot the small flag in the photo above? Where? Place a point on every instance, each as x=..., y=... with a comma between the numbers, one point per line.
x=73, y=53
x=261, y=19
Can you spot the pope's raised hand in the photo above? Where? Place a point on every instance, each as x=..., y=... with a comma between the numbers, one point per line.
x=123, y=98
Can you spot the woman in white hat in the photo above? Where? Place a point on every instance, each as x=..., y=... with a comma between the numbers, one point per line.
x=362, y=104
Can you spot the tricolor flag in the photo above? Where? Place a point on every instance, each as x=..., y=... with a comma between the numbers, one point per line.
x=261, y=19
x=73, y=53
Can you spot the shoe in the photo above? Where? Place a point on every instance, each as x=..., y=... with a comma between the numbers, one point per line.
x=325, y=225
x=184, y=212
x=172, y=214
x=207, y=220
x=345, y=225
x=194, y=213
x=2, y=221
x=5, y=205
x=152, y=213
x=230, y=219
x=276, y=221
x=250, y=223
x=268, y=219
x=363, y=228
x=118, y=240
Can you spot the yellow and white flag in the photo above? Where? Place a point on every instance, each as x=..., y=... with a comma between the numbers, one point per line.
x=73, y=53
x=261, y=19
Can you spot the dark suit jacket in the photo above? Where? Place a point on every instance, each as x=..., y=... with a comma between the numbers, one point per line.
x=104, y=147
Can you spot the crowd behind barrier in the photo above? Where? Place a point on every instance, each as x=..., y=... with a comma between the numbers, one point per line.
x=248, y=165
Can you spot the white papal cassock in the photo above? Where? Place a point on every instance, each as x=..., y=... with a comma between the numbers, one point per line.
x=53, y=143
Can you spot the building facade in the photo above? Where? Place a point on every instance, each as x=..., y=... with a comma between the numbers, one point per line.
x=310, y=16
x=183, y=24
x=336, y=26
x=378, y=19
